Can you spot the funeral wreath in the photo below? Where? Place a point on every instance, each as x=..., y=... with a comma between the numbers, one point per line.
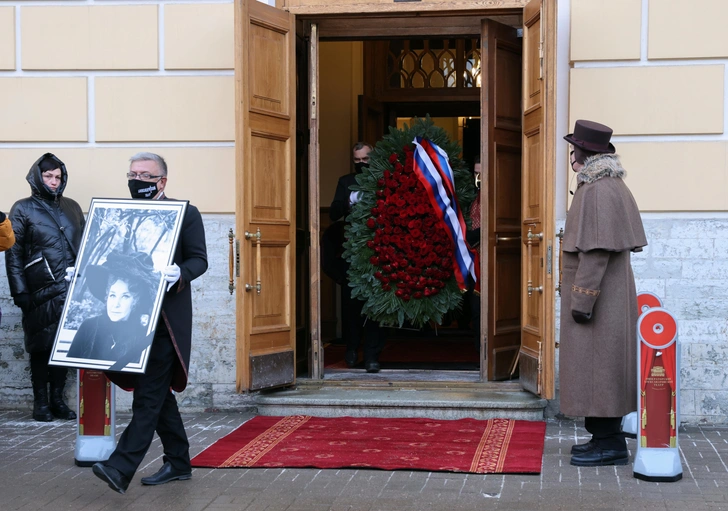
x=405, y=240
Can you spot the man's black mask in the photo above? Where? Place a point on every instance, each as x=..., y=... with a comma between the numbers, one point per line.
x=142, y=189
x=359, y=166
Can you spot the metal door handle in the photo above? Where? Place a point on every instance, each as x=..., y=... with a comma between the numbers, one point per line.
x=233, y=260
x=256, y=240
x=529, y=244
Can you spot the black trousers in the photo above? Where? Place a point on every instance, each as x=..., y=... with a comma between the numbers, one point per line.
x=154, y=408
x=606, y=432
x=353, y=324
x=41, y=373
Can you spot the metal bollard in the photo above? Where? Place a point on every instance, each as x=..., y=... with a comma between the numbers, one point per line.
x=645, y=301
x=95, y=432
x=658, y=397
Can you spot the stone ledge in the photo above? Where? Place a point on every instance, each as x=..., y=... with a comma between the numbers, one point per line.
x=435, y=404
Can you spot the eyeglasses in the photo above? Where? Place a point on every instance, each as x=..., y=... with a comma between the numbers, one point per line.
x=144, y=176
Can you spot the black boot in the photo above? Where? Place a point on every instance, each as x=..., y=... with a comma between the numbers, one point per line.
x=59, y=409
x=41, y=410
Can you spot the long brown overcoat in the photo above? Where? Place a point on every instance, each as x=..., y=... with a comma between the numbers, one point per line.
x=597, y=371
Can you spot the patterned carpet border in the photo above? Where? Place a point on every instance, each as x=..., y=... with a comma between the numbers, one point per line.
x=495, y=446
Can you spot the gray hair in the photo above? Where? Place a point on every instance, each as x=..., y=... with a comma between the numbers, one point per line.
x=361, y=145
x=150, y=157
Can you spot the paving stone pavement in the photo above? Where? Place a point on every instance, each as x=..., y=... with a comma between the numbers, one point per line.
x=37, y=472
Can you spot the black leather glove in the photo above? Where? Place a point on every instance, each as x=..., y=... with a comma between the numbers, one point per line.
x=581, y=317
x=22, y=300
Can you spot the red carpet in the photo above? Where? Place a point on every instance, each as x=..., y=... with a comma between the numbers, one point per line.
x=496, y=446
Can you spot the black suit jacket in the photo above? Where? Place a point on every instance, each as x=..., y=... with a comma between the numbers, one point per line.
x=176, y=318
x=340, y=206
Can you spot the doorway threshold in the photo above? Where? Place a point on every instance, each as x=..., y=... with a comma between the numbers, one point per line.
x=380, y=397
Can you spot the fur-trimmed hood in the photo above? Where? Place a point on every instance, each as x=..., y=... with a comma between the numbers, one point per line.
x=599, y=166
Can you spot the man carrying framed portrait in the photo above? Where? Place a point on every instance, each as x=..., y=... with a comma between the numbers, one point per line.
x=119, y=295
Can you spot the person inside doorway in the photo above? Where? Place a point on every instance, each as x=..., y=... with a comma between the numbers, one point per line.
x=353, y=323
x=597, y=365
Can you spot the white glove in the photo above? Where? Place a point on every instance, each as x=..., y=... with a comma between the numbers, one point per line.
x=171, y=274
x=354, y=197
x=70, y=272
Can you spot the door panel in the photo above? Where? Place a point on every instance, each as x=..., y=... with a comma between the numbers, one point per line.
x=265, y=179
x=536, y=357
x=502, y=126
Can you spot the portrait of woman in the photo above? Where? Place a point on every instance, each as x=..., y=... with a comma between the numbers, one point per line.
x=126, y=283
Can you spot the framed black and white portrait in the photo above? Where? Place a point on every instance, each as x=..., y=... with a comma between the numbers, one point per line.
x=115, y=296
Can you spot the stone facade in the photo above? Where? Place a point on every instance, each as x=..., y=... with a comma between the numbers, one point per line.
x=212, y=367
x=685, y=263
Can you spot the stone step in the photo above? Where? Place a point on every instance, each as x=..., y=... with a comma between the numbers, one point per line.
x=445, y=403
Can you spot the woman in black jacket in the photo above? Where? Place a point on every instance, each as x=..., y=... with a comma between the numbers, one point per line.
x=48, y=229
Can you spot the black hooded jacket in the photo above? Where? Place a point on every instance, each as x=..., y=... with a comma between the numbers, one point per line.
x=48, y=229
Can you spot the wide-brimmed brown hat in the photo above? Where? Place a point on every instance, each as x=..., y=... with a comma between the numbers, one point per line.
x=591, y=136
x=135, y=268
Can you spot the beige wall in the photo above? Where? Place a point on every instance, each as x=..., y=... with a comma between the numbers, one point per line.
x=89, y=37
x=341, y=83
x=668, y=109
x=681, y=176
x=680, y=30
x=106, y=82
x=605, y=29
x=7, y=38
x=100, y=172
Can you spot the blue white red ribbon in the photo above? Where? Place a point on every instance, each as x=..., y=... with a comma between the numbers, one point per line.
x=432, y=166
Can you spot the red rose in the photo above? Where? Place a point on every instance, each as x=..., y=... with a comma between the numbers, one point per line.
x=417, y=294
x=374, y=260
x=378, y=275
x=386, y=287
x=393, y=157
x=371, y=244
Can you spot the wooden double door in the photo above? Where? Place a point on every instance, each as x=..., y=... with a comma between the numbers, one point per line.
x=517, y=137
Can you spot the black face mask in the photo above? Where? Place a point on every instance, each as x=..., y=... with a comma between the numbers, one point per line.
x=359, y=166
x=142, y=189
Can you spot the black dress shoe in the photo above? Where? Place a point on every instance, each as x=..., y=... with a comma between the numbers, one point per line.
x=166, y=474
x=372, y=366
x=599, y=457
x=110, y=475
x=582, y=448
x=351, y=358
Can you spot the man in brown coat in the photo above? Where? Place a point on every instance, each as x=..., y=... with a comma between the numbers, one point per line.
x=598, y=378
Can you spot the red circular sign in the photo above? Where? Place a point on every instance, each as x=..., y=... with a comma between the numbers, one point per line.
x=647, y=300
x=657, y=328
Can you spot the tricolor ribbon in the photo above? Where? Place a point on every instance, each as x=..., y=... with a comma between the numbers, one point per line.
x=432, y=166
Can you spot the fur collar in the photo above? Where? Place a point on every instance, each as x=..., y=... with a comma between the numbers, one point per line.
x=599, y=166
